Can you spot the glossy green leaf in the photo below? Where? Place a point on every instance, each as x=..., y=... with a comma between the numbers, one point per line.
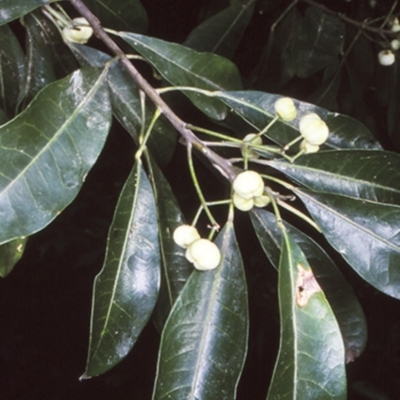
x=365, y=233
x=49, y=148
x=318, y=41
x=182, y=66
x=175, y=267
x=221, y=34
x=257, y=108
x=126, y=289
x=120, y=14
x=370, y=175
x=310, y=362
x=125, y=100
x=339, y=293
x=10, y=253
x=12, y=70
x=39, y=68
x=13, y=9
x=204, y=342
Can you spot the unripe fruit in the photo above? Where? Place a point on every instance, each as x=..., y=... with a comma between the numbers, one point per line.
x=308, y=148
x=395, y=44
x=261, y=201
x=81, y=34
x=386, y=58
x=241, y=203
x=204, y=254
x=313, y=129
x=285, y=109
x=185, y=235
x=248, y=184
x=396, y=26
x=252, y=138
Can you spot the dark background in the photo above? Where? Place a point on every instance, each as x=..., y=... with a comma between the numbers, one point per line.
x=45, y=302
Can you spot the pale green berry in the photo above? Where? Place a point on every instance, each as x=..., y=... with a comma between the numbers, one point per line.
x=308, y=148
x=203, y=254
x=252, y=138
x=261, y=201
x=81, y=32
x=395, y=44
x=185, y=235
x=313, y=129
x=248, y=184
x=285, y=109
x=386, y=58
x=242, y=204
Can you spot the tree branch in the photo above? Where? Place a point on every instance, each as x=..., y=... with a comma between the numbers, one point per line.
x=345, y=18
x=223, y=165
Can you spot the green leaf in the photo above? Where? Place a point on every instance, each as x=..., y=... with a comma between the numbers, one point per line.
x=12, y=9
x=365, y=233
x=3, y=117
x=182, y=66
x=120, y=14
x=257, y=108
x=319, y=40
x=125, y=100
x=39, y=68
x=310, y=362
x=10, y=253
x=175, y=267
x=222, y=33
x=126, y=289
x=48, y=150
x=12, y=70
x=204, y=342
x=339, y=293
x=370, y=175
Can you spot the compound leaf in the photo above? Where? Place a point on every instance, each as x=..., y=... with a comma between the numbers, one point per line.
x=204, y=342
x=49, y=148
x=126, y=289
x=310, y=362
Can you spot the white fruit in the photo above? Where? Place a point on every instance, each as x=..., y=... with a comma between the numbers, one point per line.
x=396, y=26
x=308, y=148
x=248, y=184
x=395, y=44
x=204, y=254
x=386, y=58
x=313, y=129
x=285, y=109
x=81, y=32
x=185, y=235
x=261, y=201
x=241, y=203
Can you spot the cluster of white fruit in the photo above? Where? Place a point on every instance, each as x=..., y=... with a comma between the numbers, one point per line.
x=80, y=33
x=202, y=253
x=386, y=57
x=248, y=191
x=313, y=129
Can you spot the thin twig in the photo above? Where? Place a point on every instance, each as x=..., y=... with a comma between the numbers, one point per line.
x=221, y=164
x=362, y=25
